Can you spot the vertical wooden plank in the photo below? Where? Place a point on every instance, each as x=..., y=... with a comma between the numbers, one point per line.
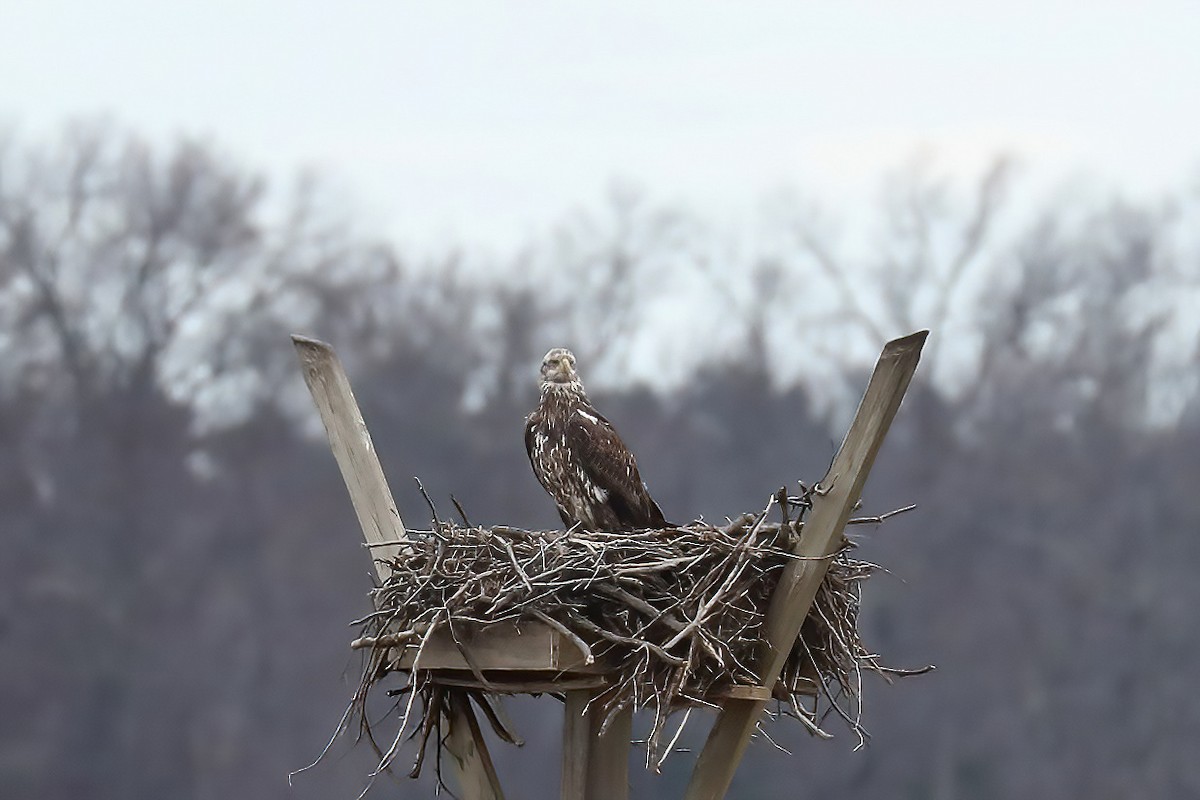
x=594, y=766
x=575, y=751
x=352, y=447
x=800, y=580
x=608, y=756
x=477, y=778
x=380, y=521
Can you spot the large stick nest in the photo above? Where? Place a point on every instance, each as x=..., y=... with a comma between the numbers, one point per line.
x=676, y=613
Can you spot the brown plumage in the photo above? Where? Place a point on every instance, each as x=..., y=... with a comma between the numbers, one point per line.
x=579, y=458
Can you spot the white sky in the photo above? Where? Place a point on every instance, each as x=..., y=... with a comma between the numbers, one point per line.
x=486, y=122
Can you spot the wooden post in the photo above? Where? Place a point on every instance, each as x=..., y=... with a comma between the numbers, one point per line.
x=477, y=778
x=594, y=767
x=352, y=447
x=371, y=496
x=575, y=745
x=801, y=578
x=608, y=756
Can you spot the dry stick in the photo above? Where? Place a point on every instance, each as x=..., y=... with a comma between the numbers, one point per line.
x=653, y=613
x=852, y=722
x=673, y=686
x=461, y=514
x=521, y=572
x=658, y=566
x=588, y=658
x=468, y=657
x=386, y=640
x=707, y=607
x=881, y=517
x=437, y=522
x=905, y=672
x=387, y=757
x=833, y=703
x=808, y=722
x=383, y=612
x=781, y=497
x=368, y=730
x=341, y=726
x=497, y=718
x=703, y=611
x=431, y=717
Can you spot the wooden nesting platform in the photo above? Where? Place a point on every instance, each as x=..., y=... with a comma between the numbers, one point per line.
x=529, y=658
x=536, y=658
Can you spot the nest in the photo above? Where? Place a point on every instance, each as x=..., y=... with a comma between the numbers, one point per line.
x=675, y=615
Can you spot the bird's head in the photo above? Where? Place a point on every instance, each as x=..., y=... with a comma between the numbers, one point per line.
x=558, y=369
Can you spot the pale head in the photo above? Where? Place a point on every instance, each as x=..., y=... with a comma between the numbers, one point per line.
x=558, y=369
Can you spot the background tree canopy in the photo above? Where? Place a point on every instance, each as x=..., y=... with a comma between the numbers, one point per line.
x=180, y=559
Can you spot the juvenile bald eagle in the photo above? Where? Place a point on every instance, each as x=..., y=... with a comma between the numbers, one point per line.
x=579, y=458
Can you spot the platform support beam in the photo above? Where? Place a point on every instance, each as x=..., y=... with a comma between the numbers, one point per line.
x=384, y=533
x=840, y=489
x=595, y=765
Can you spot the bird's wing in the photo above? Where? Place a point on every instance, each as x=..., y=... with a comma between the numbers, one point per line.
x=607, y=461
x=531, y=426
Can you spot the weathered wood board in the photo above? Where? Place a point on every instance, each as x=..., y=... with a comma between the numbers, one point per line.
x=353, y=449
x=823, y=530
x=499, y=646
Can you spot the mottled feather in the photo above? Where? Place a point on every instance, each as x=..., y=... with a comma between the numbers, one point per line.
x=580, y=459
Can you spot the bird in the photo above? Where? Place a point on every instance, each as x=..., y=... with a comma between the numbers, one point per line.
x=580, y=459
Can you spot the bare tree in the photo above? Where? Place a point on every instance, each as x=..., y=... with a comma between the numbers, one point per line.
x=138, y=291
x=179, y=560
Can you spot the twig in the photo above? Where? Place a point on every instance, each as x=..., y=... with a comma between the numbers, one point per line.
x=588, y=658
x=461, y=514
x=879, y=519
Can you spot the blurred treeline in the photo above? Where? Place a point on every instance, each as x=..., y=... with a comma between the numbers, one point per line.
x=179, y=559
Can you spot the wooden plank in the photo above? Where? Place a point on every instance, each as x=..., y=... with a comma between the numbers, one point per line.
x=742, y=693
x=799, y=582
x=468, y=751
x=380, y=521
x=575, y=750
x=499, y=646
x=551, y=682
x=352, y=448
x=595, y=766
x=608, y=755
x=556, y=681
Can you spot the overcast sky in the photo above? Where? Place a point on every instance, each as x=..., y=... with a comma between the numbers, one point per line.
x=487, y=121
